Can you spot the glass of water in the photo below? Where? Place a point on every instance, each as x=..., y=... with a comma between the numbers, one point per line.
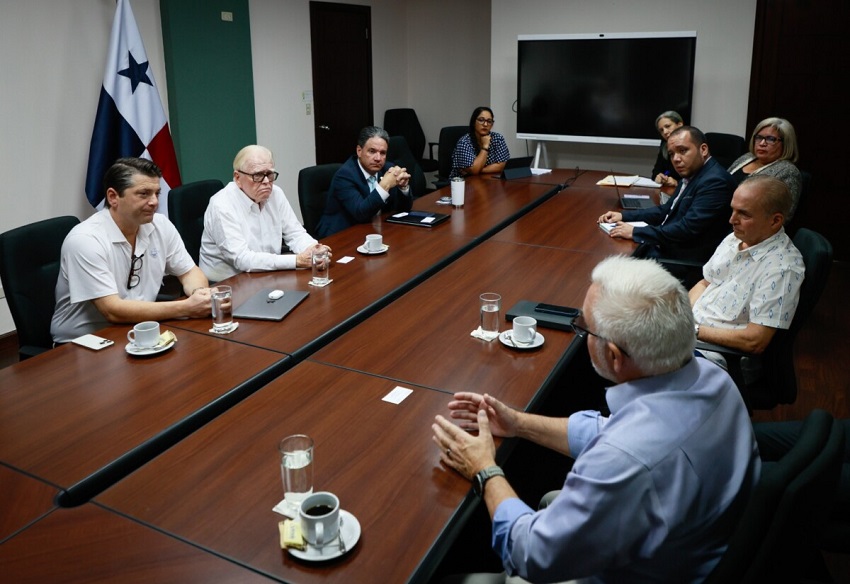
x=490, y=305
x=321, y=262
x=296, y=469
x=222, y=308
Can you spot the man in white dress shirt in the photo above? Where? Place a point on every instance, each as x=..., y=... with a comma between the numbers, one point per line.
x=246, y=221
x=751, y=285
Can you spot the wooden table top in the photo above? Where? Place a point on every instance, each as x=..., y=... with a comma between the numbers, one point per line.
x=361, y=287
x=90, y=544
x=217, y=487
x=25, y=500
x=73, y=416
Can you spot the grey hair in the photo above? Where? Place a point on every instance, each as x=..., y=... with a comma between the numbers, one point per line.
x=248, y=152
x=372, y=132
x=786, y=132
x=645, y=311
x=773, y=194
x=120, y=175
x=670, y=115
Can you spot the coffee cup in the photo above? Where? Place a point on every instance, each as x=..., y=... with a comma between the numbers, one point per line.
x=144, y=335
x=319, y=515
x=374, y=242
x=525, y=329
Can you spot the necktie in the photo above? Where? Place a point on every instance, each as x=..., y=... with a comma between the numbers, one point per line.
x=373, y=181
x=676, y=200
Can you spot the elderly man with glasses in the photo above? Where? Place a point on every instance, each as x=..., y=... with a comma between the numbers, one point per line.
x=246, y=221
x=657, y=485
x=112, y=263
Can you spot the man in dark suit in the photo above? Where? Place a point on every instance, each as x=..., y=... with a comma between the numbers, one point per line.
x=695, y=219
x=365, y=185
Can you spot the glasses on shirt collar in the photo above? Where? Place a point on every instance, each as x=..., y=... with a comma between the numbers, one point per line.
x=259, y=177
x=135, y=267
x=581, y=331
x=767, y=139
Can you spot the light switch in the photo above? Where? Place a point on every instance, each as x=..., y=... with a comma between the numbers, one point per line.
x=227, y=16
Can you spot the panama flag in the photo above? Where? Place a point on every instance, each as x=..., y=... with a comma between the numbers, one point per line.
x=130, y=120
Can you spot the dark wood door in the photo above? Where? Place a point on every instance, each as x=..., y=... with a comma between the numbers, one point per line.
x=342, y=77
x=801, y=53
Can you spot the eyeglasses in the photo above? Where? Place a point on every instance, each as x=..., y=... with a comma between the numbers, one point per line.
x=135, y=267
x=485, y=121
x=768, y=139
x=258, y=177
x=582, y=332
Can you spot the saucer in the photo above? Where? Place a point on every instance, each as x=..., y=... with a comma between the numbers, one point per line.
x=362, y=249
x=350, y=533
x=146, y=351
x=507, y=339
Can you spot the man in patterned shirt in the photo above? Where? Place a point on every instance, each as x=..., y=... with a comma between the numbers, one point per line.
x=751, y=285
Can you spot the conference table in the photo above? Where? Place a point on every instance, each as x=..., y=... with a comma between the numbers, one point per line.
x=80, y=419
x=185, y=444
x=25, y=501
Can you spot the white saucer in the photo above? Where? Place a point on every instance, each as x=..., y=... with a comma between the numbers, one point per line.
x=144, y=352
x=350, y=534
x=507, y=339
x=362, y=249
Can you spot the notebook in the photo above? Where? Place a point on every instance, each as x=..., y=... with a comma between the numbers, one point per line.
x=260, y=307
x=418, y=218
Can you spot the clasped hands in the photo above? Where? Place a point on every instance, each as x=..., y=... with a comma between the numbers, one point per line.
x=395, y=177
x=305, y=258
x=467, y=453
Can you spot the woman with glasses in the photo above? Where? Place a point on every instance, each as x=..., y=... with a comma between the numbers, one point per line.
x=773, y=152
x=481, y=150
x=663, y=170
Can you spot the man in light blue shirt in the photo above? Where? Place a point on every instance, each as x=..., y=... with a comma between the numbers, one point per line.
x=656, y=487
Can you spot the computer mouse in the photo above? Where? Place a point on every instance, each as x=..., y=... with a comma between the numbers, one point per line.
x=275, y=294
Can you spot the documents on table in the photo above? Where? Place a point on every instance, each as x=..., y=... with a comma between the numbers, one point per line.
x=628, y=181
x=607, y=227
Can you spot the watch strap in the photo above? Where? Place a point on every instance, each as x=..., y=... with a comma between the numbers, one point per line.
x=485, y=475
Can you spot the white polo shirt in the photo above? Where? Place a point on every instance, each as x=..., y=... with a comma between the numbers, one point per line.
x=96, y=260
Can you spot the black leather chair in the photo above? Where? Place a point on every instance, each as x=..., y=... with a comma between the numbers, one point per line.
x=405, y=122
x=313, y=185
x=726, y=148
x=186, y=207
x=772, y=541
x=29, y=268
x=399, y=153
x=778, y=382
x=448, y=140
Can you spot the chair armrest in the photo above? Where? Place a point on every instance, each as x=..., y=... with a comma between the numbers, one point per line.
x=721, y=349
x=431, y=149
x=675, y=262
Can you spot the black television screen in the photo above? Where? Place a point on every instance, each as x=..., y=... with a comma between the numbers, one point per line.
x=605, y=88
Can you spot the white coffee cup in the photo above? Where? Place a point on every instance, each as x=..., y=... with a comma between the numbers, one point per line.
x=374, y=242
x=144, y=335
x=458, y=191
x=319, y=515
x=525, y=329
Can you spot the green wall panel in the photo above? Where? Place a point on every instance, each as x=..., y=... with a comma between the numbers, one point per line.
x=210, y=84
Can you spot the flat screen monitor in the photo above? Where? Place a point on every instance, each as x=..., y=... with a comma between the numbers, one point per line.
x=603, y=88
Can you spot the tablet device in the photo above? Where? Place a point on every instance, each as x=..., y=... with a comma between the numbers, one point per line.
x=418, y=218
x=261, y=307
x=517, y=168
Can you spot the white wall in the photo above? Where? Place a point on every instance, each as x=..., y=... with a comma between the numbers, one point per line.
x=722, y=69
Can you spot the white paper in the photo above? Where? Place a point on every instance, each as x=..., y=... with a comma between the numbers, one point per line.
x=397, y=395
x=344, y=259
x=536, y=171
x=400, y=215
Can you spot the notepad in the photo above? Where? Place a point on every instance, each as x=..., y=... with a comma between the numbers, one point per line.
x=418, y=218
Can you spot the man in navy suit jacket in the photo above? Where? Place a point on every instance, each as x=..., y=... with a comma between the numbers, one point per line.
x=365, y=185
x=695, y=219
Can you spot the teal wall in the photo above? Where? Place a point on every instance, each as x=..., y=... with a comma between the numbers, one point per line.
x=210, y=84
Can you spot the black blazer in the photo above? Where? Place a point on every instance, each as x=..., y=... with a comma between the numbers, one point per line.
x=699, y=221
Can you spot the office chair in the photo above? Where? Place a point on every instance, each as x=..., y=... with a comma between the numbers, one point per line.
x=785, y=509
x=448, y=140
x=404, y=122
x=778, y=381
x=186, y=207
x=399, y=153
x=313, y=185
x=726, y=148
x=29, y=267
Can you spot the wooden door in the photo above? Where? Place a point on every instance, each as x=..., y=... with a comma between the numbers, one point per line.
x=341, y=42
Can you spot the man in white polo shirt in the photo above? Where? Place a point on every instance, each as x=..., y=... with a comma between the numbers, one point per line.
x=113, y=262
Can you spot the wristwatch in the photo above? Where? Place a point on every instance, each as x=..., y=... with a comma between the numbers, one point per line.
x=696, y=329
x=482, y=477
